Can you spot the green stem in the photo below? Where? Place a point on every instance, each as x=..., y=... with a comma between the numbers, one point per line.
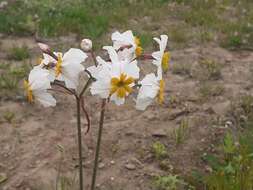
x=101, y=123
x=79, y=134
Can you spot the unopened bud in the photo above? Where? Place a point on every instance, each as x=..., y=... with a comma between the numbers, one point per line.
x=44, y=47
x=86, y=44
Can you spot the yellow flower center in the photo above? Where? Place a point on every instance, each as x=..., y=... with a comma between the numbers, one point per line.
x=58, y=67
x=160, y=95
x=139, y=49
x=28, y=91
x=120, y=85
x=165, y=61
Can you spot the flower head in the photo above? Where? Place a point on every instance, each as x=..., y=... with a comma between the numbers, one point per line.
x=114, y=80
x=36, y=87
x=129, y=41
x=162, y=57
x=152, y=86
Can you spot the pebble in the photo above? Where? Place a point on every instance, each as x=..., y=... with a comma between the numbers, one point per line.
x=130, y=166
x=159, y=133
x=101, y=165
x=228, y=124
x=112, y=162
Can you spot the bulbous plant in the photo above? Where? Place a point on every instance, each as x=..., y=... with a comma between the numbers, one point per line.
x=114, y=78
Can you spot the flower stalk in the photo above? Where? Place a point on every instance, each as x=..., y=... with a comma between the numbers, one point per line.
x=79, y=134
x=99, y=137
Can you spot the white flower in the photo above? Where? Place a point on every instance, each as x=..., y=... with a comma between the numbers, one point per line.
x=86, y=44
x=127, y=40
x=152, y=86
x=162, y=57
x=48, y=63
x=69, y=67
x=36, y=87
x=115, y=79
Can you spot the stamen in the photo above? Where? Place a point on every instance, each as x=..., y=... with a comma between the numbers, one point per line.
x=28, y=91
x=165, y=61
x=139, y=49
x=58, y=67
x=120, y=85
x=161, y=92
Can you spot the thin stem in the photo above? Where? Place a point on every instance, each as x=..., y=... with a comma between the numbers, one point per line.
x=79, y=134
x=86, y=86
x=64, y=87
x=86, y=115
x=101, y=123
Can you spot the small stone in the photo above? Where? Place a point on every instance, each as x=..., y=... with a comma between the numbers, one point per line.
x=159, y=133
x=228, y=124
x=135, y=160
x=101, y=165
x=112, y=162
x=130, y=166
x=112, y=178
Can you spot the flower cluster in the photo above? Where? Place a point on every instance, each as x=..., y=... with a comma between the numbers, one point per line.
x=54, y=67
x=115, y=78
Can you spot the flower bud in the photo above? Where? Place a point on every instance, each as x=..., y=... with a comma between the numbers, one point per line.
x=86, y=44
x=44, y=47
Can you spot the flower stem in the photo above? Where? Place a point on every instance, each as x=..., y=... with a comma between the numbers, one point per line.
x=101, y=123
x=79, y=134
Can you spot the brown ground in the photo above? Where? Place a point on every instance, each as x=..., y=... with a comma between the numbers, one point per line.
x=28, y=145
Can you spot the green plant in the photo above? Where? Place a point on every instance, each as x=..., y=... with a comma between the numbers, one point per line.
x=168, y=182
x=9, y=116
x=207, y=90
x=211, y=68
x=181, y=69
x=10, y=78
x=181, y=132
x=19, y=53
x=241, y=110
x=159, y=150
x=233, y=172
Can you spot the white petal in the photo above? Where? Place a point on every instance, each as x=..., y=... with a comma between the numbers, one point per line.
x=101, y=88
x=159, y=73
x=74, y=56
x=149, y=86
x=45, y=98
x=70, y=82
x=124, y=39
x=112, y=54
x=51, y=75
x=164, y=40
x=157, y=55
x=127, y=54
x=131, y=69
x=71, y=73
x=157, y=58
x=94, y=70
x=48, y=59
x=143, y=103
x=118, y=101
x=38, y=79
x=157, y=40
